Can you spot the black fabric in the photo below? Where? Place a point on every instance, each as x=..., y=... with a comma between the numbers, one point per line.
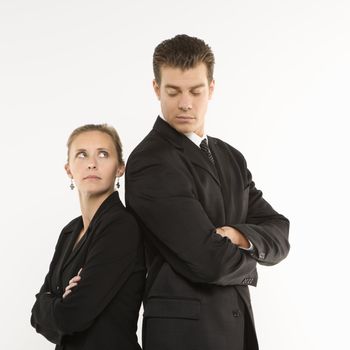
x=102, y=311
x=197, y=295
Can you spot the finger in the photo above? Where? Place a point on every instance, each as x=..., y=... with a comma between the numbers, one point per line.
x=70, y=286
x=79, y=271
x=66, y=293
x=220, y=231
x=75, y=279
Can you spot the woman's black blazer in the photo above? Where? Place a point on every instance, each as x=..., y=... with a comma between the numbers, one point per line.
x=102, y=311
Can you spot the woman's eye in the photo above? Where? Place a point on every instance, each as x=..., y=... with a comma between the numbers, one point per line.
x=81, y=155
x=103, y=154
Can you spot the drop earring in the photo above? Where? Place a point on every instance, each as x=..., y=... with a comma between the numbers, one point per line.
x=117, y=184
x=71, y=184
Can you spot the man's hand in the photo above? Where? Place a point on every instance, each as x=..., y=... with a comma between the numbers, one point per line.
x=234, y=235
x=72, y=283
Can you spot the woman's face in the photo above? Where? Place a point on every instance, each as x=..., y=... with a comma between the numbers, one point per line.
x=93, y=163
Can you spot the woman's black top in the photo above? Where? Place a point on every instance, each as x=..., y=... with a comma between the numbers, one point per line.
x=102, y=311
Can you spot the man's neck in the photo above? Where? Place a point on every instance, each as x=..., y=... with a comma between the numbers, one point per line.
x=195, y=138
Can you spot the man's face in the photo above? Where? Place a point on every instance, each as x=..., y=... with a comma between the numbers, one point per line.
x=184, y=97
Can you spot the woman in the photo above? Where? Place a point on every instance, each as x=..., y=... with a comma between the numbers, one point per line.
x=92, y=294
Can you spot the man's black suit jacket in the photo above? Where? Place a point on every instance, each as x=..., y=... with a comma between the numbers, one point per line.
x=102, y=311
x=196, y=292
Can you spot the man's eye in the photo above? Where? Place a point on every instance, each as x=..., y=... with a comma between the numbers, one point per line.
x=172, y=92
x=195, y=93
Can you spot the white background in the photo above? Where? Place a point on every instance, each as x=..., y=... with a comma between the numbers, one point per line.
x=282, y=98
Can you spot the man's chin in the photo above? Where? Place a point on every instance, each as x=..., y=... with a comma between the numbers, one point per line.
x=183, y=128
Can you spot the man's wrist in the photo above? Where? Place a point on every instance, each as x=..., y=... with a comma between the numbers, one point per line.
x=248, y=249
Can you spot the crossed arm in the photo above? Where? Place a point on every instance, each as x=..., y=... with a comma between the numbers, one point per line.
x=234, y=236
x=161, y=194
x=55, y=316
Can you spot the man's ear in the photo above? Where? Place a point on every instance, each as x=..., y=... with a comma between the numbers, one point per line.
x=211, y=88
x=156, y=88
x=67, y=168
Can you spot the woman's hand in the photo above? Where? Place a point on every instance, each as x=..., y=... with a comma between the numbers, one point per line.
x=72, y=283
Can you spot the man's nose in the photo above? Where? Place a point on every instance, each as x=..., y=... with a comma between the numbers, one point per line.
x=185, y=103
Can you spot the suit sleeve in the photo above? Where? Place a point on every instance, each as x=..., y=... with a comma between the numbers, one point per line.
x=162, y=196
x=110, y=261
x=46, y=327
x=265, y=228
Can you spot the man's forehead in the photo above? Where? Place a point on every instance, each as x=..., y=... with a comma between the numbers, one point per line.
x=198, y=69
x=189, y=78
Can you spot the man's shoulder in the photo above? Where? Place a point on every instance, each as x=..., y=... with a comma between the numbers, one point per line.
x=153, y=145
x=226, y=147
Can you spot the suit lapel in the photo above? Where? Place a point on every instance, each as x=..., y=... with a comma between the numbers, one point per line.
x=217, y=155
x=73, y=251
x=223, y=164
x=69, y=235
x=200, y=159
x=71, y=239
x=181, y=142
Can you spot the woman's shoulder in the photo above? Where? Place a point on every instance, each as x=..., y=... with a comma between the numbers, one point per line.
x=121, y=216
x=115, y=211
x=119, y=222
x=71, y=225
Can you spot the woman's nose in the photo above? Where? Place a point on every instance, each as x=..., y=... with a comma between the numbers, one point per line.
x=92, y=164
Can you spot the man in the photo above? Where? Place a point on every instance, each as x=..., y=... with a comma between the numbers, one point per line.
x=205, y=223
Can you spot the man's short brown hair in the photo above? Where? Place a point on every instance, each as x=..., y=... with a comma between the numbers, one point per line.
x=182, y=52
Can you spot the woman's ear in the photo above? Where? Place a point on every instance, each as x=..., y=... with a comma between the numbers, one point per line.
x=67, y=168
x=120, y=170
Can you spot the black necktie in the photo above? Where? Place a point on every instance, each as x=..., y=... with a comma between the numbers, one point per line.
x=205, y=148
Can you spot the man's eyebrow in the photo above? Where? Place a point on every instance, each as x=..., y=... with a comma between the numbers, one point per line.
x=197, y=86
x=170, y=86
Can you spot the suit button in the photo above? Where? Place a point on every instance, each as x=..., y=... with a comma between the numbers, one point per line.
x=236, y=313
x=262, y=256
x=58, y=288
